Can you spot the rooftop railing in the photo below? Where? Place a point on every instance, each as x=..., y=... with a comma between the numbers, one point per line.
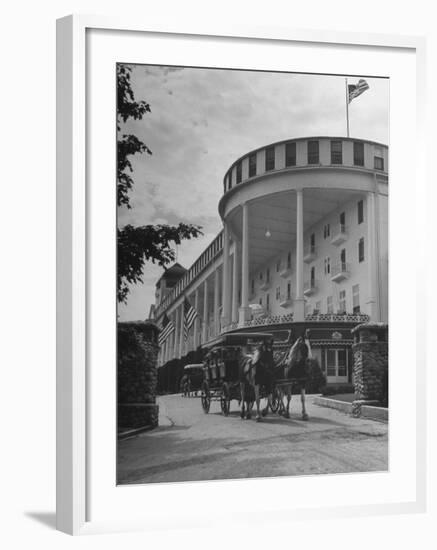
x=202, y=262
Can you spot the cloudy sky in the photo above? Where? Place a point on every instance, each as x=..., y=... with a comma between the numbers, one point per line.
x=204, y=119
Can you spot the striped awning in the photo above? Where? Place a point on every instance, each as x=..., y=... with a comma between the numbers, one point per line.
x=330, y=342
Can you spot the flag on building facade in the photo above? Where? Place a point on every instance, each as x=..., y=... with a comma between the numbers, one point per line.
x=354, y=90
x=190, y=315
x=167, y=328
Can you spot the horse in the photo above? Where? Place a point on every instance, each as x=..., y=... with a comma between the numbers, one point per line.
x=255, y=370
x=295, y=365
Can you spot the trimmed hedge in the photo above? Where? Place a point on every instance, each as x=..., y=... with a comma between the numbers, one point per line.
x=316, y=379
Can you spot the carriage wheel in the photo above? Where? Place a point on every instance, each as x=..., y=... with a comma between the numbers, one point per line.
x=276, y=400
x=225, y=400
x=205, y=397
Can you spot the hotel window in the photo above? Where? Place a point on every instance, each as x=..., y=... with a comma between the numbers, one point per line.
x=313, y=277
x=342, y=301
x=268, y=275
x=252, y=286
x=318, y=308
x=379, y=163
x=278, y=292
x=342, y=221
x=356, y=298
x=288, y=290
x=327, y=266
x=360, y=212
x=343, y=259
x=252, y=165
x=230, y=180
x=326, y=231
x=289, y=260
x=361, y=250
x=329, y=306
x=267, y=302
x=336, y=152
x=260, y=301
x=312, y=242
x=278, y=266
x=261, y=276
x=313, y=152
x=290, y=154
x=239, y=172
x=358, y=153
x=270, y=158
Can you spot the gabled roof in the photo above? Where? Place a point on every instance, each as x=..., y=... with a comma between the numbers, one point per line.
x=174, y=272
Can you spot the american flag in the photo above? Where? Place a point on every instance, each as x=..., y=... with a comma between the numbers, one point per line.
x=190, y=315
x=354, y=90
x=167, y=328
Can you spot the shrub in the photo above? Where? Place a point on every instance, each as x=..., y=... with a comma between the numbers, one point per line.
x=316, y=379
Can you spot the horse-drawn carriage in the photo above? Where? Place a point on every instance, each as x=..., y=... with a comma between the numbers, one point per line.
x=240, y=366
x=191, y=380
x=222, y=370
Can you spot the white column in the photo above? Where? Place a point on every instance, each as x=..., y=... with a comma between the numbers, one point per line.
x=196, y=321
x=176, y=335
x=226, y=286
x=244, y=312
x=372, y=259
x=205, y=311
x=216, y=302
x=171, y=347
x=181, y=329
x=235, y=304
x=185, y=344
x=299, y=301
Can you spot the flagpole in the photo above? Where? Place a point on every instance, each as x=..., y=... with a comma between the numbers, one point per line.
x=347, y=107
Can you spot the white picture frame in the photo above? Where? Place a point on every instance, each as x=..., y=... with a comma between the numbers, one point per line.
x=74, y=473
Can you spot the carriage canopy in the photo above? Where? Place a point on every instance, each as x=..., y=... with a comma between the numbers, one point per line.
x=240, y=339
x=193, y=367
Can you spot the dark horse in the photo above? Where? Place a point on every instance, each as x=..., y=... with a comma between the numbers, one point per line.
x=295, y=366
x=254, y=371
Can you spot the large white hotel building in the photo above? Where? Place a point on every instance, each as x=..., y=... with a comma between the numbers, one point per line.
x=304, y=243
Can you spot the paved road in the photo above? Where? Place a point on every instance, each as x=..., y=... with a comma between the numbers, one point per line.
x=190, y=445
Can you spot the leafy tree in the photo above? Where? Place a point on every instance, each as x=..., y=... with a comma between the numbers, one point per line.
x=136, y=245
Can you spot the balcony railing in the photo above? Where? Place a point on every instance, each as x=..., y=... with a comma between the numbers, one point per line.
x=340, y=272
x=310, y=287
x=285, y=271
x=285, y=300
x=267, y=320
x=263, y=321
x=310, y=254
x=338, y=317
x=340, y=235
x=265, y=285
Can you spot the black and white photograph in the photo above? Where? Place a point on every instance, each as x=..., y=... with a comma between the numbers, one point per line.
x=252, y=274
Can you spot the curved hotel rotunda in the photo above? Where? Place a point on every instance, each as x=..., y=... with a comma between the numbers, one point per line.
x=304, y=243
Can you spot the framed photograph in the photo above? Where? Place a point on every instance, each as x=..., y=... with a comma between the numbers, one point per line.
x=233, y=314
